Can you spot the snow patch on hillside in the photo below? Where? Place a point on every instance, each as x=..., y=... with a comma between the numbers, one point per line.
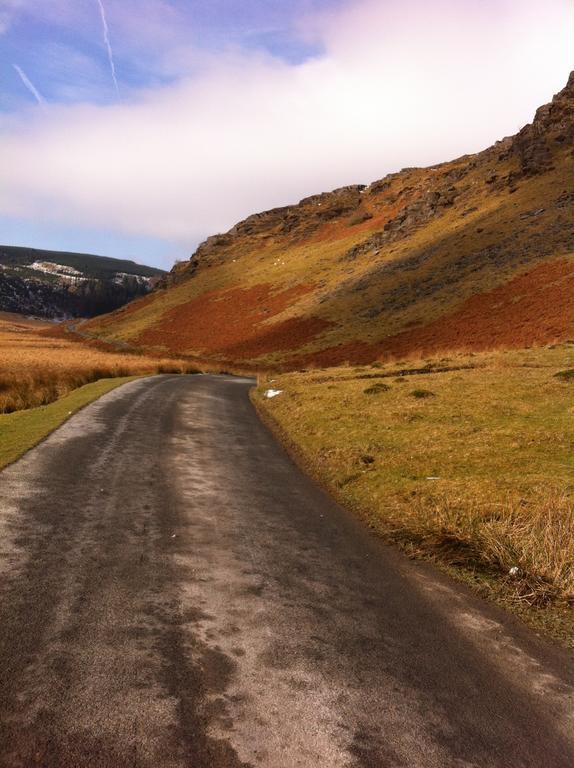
x=59, y=270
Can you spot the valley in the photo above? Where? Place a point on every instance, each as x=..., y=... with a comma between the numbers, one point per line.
x=467, y=266
x=454, y=282
x=285, y=564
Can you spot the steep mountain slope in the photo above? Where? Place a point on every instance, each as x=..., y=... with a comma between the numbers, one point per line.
x=56, y=284
x=474, y=253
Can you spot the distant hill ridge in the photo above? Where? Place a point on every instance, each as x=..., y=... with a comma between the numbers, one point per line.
x=58, y=284
x=474, y=253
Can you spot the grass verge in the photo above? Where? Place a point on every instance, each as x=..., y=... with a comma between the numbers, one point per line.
x=22, y=430
x=477, y=474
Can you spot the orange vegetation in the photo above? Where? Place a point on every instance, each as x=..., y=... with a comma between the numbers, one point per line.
x=233, y=323
x=534, y=308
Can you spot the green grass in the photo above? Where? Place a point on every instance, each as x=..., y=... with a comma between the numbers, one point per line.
x=479, y=477
x=22, y=430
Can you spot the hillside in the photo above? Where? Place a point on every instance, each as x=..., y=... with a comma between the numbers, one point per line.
x=55, y=284
x=475, y=253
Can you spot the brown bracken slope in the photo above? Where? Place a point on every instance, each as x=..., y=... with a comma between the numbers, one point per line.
x=472, y=254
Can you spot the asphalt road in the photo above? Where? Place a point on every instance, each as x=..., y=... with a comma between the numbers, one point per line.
x=174, y=592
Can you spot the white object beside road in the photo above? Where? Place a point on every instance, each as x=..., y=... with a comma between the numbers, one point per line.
x=273, y=393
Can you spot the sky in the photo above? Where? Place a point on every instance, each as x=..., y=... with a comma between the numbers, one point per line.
x=136, y=128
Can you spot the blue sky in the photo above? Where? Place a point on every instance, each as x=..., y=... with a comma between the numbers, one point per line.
x=224, y=107
x=59, y=47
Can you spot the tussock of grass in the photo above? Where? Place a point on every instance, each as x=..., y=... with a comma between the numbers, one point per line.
x=421, y=394
x=377, y=389
x=482, y=481
x=529, y=542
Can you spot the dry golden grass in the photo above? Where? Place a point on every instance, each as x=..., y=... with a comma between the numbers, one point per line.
x=530, y=541
x=38, y=366
x=479, y=475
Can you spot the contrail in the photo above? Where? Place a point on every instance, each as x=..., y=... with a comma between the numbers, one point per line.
x=30, y=85
x=108, y=45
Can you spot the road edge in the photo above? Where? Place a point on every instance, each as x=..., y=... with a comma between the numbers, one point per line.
x=56, y=414
x=544, y=622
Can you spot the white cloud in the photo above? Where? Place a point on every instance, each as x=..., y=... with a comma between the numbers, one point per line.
x=8, y=10
x=399, y=84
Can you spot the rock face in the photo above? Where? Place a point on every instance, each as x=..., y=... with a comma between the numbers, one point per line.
x=361, y=265
x=553, y=126
x=32, y=297
x=63, y=285
x=291, y=224
x=533, y=147
x=413, y=197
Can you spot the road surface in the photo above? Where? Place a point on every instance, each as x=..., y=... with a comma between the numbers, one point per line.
x=175, y=592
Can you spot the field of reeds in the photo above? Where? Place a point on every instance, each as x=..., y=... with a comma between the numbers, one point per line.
x=40, y=364
x=466, y=460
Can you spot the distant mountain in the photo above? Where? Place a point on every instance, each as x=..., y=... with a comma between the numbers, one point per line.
x=58, y=284
x=475, y=253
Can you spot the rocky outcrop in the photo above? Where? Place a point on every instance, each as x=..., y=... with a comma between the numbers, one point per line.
x=403, y=201
x=290, y=223
x=552, y=127
x=429, y=205
x=31, y=297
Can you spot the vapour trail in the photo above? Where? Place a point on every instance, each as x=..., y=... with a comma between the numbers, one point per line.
x=108, y=45
x=30, y=85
